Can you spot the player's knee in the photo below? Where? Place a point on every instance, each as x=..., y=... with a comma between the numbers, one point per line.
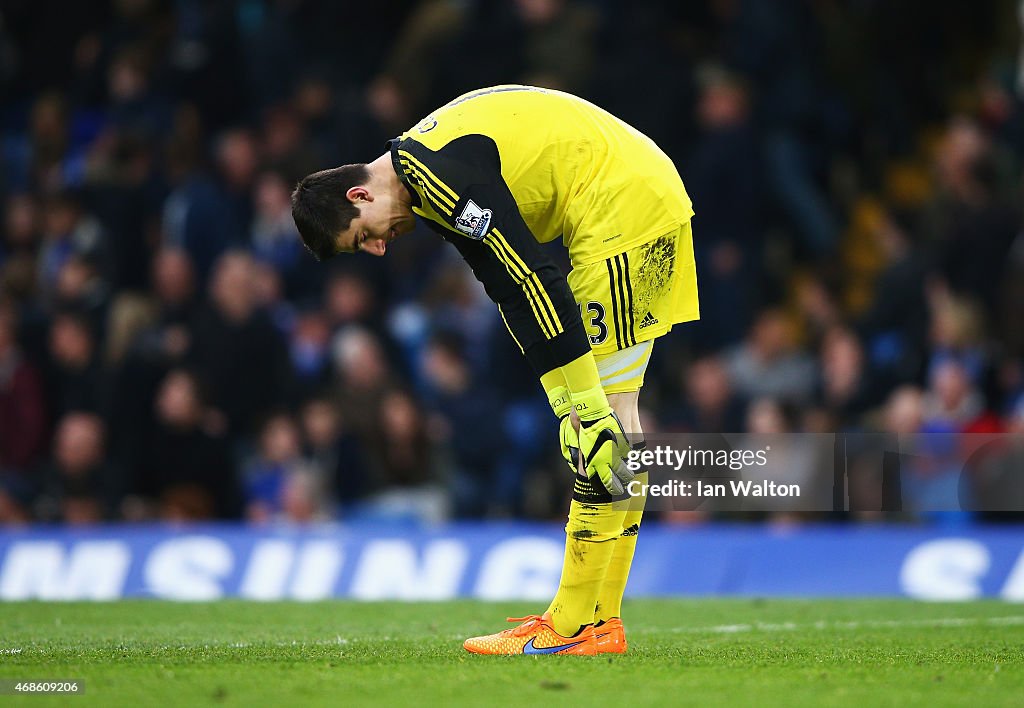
x=624, y=403
x=626, y=407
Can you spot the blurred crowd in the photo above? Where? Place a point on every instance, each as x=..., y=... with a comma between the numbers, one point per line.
x=169, y=351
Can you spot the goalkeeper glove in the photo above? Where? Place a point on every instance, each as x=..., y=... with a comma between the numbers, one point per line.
x=570, y=443
x=568, y=440
x=602, y=441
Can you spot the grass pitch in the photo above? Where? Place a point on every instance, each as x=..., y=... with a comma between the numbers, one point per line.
x=693, y=652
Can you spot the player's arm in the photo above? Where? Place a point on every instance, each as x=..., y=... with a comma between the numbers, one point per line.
x=462, y=183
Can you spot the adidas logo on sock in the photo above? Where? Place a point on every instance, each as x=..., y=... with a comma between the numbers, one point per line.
x=648, y=320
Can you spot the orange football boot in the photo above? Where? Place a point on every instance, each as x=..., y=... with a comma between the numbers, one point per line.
x=535, y=635
x=611, y=637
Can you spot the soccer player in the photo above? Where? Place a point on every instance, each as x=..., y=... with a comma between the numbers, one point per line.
x=496, y=172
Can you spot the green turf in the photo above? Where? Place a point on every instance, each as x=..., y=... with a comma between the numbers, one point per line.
x=694, y=652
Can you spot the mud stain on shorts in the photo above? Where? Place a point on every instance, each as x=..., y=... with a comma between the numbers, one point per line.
x=657, y=263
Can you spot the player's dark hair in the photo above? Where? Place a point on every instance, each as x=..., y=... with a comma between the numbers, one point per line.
x=322, y=211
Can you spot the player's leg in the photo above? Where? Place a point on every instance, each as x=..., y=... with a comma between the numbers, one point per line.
x=623, y=394
x=627, y=301
x=594, y=523
x=647, y=290
x=567, y=626
x=601, y=533
x=609, y=598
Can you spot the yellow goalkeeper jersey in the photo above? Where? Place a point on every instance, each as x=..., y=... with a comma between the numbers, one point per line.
x=574, y=170
x=502, y=169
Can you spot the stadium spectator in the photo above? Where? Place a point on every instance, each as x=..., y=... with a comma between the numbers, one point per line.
x=403, y=479
x=268, y=295
x=951, y=401
x=174, y=286
x=363, y=376
x=68, y=232
x=818, y=305
x=348, y=300
x=330, y=446
x=316, y=102
x=900, y=424
x=80, y=288
x=22, y=418
x=75, y=378
x=188, y=474
x=558, y=43
x=237, y=157
x=133, y=371
x=79, y=487
x=845, y=391
x=401, y=448
x=129, y=316
x=147, y=358
x=710, y=406
x=790, y=101
x=951, y=404
x=957, y=333
x=43, y=159
x=194, y=217
x=274, y=239
x=904, y=411
x=302, y=499
x=135, y=105
x=458, y=402
x=894, y=325
x=309, y=348
x=790, y=459
x=284, y=142
x=21, y=234
x=969, y=222
x=236, y=348
x=457, y=305
x=769, y=363
x=728, y=252
x=278, y=483
x=125, y=191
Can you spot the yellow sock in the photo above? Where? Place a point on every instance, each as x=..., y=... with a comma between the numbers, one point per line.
x=609, y=598
x=590, y=538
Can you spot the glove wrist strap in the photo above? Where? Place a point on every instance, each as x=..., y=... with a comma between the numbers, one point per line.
x=591, y=404
x=559, y=400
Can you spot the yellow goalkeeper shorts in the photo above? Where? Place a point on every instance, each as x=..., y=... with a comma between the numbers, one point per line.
x=623, y=371
x=636, y=296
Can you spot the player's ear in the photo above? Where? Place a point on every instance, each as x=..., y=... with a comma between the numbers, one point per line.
x=374, y=246
x=358, y=194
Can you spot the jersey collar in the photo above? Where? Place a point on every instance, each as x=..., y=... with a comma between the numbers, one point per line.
x=392, y=146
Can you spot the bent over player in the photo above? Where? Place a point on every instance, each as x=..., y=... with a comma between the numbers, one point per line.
x=496, y=172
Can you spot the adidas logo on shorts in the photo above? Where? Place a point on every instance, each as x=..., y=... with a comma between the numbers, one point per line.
x=648, y=320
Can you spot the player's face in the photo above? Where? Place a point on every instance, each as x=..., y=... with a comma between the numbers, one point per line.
x=381, y=220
